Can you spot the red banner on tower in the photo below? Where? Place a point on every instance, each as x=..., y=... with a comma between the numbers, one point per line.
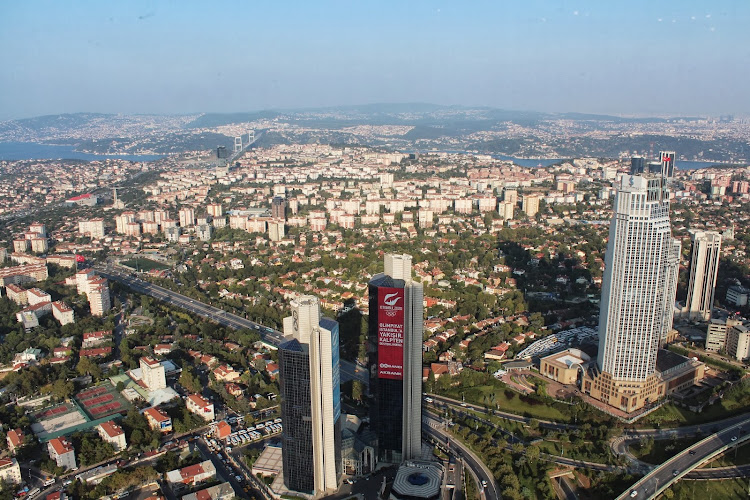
x=391, y=333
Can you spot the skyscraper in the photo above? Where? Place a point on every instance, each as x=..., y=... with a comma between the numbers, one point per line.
x=395, y=360
x=638, y=292
x=309, y=380
x=704, y=266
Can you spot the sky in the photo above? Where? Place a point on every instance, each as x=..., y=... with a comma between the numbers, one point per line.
x=633, y=58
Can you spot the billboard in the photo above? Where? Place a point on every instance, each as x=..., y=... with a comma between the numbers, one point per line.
x=391, y=333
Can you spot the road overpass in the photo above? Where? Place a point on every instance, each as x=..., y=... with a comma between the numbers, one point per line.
x=663, y=476
x=269, y=336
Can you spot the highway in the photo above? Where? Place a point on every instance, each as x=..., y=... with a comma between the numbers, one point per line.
x=621, y=443
x=435, y=428
x=349, y=370
x=661, y=477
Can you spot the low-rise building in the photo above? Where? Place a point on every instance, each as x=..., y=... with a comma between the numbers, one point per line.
x=200, y=406
x=36, y=296
x=17, y=294
x=112, y=433
x=63, y=312
x=158, y=420
x=91, y=339
x=221, y=491
x=564, y=367
x=15, y=438
x=192, y=474
x=10, y=471
x=62, y=452
x=737, y=296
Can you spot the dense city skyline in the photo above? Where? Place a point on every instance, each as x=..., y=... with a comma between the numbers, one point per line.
x=671, y=58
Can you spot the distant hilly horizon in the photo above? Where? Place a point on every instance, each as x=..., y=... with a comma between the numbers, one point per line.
x=381, y=110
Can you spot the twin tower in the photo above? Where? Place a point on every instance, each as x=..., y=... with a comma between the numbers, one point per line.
x=309, y=377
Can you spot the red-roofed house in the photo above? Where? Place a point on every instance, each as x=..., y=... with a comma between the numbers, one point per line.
x=200, y=406
x=225, y=373
x=92, y=339
x=222, y=430
x=112, y=433
x=234, y=389
x=272, y=369
x=62, y=452
x=163, y=349
x=158, y=420
x=192, y=474
x=15, y=439
x=97, y=352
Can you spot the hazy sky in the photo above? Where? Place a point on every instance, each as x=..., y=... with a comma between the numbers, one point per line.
x=672, y=57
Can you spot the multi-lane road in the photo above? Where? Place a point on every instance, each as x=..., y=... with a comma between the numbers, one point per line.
x=434, y=427
x=662, y=476
x=349, y=370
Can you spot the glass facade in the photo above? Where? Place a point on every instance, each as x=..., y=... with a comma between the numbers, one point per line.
x=296, y=415
x=387, y=410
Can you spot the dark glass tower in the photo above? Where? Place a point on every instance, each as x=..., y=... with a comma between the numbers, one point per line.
x=395, y=360
x=296, y=415
x=310, y=399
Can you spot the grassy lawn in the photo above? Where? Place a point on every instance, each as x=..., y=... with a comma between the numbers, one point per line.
x=514, y=404
x=662, y=450
x=736, y=400
x=144, y=264
x=516, y=428
x=726, y=489
x=674, y=416
x=728, y=459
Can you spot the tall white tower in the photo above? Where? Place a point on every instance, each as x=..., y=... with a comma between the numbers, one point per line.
x=310, y=399
x=640, y=279
x=704, y=266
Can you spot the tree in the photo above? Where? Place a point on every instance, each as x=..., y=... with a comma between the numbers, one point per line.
x=62, y=389
x=357, y=390
x=88, y=367
x=532, y=453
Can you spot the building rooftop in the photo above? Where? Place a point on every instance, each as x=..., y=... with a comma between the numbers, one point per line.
x=418, y=479
x=61, y=446
x=666, y=360
x=111, y=429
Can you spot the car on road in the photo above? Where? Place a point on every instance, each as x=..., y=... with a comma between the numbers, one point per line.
x=692, y=452
x=675, y=473
x=484, y=484
x=734, y=438
x=633, y=493
x=464, y=405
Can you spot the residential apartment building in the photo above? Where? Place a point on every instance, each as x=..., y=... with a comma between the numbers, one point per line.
x=62, y=452
x=113, y=434
x=10, y=471
x=153, y=374
x=158, y=420
x=200, y=406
